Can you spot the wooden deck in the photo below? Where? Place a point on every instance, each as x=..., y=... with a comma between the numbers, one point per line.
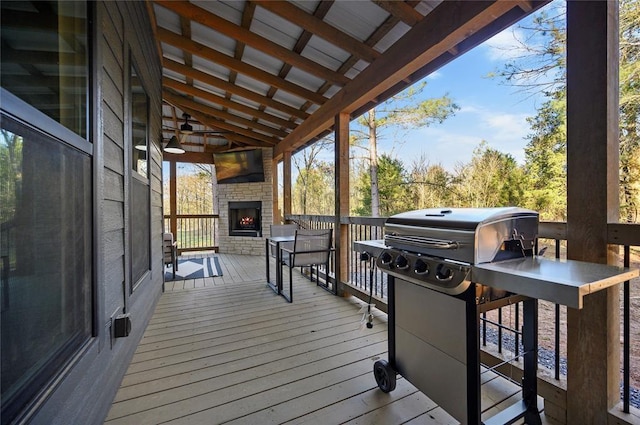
x=228, y=350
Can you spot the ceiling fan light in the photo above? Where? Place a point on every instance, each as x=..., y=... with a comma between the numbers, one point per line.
x=174, y=146
x=186, y=128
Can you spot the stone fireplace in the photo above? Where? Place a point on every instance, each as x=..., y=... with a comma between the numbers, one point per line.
x=243, y=194
x=245, y=219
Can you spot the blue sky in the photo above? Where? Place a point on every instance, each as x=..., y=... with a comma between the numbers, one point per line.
x=489, y=110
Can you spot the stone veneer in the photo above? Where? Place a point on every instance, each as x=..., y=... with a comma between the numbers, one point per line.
x=243, y=192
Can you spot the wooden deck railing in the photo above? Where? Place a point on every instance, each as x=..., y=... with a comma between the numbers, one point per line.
x=365, y=277
x=195, y=232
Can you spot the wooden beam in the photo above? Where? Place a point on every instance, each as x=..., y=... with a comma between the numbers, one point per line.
x=275, y=193
x=321, y=11
x=189, y=157
x=286, y=168
x=218, y=24
x=342, y=197
x=448, y=24
x=235, y=131
x=321, y=29
x=593, y=333
x=181, y=100
x=401, y=10
x=194, y=91
x=173, y=199
x=221, y=59
x=232, y=88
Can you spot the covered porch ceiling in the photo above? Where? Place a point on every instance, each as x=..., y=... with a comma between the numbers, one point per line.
x=276, y=73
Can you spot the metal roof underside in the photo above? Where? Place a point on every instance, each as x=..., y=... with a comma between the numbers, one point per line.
x=276, y=73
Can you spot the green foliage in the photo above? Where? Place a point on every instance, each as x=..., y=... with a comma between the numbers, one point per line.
x=429, y=185
x=313, y=190
x=546, y=159
x=194, y=190
x=10, y=173
x=491, y=179
x=630, y=110
x=391, y=181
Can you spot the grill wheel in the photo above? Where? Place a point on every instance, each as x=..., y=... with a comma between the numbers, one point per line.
x=385, y=376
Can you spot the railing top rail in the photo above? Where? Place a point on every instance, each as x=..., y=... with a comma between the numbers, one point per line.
x=193, y=216
x=618, y=233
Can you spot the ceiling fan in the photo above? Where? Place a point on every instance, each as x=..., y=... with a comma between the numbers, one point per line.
x=186, y=129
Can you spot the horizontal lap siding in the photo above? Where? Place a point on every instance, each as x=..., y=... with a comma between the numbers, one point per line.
x=85, y=392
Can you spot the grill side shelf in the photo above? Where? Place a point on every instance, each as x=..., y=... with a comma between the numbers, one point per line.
x=564, y=282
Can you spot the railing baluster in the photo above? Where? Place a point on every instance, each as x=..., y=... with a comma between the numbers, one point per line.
x=195, y=231
x=626, y=348
x=362, y=228
x=500, y=330
x=556, y=358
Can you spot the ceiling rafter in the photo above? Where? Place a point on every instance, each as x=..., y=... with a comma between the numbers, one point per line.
x=318, y=27
x=230, y=88
x=373, y=39
x=448, y=24
x=226, y=118
x=226, y=103
x=247, y=17
x=401, y=10
x=208, y=53
x=274, y=105
x=321, y=11
x=236, y=32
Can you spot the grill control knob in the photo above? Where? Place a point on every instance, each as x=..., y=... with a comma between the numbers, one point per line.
x=421, y=267
x=402, y=262
x=444, y=273
x=386, y=258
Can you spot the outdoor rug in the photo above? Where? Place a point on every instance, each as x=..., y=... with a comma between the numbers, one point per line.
x=194, y=268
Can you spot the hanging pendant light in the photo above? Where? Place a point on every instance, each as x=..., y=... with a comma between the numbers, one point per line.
x=174, y=146
x=141, y=145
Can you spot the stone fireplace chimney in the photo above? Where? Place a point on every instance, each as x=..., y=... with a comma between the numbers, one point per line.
x=238, y=201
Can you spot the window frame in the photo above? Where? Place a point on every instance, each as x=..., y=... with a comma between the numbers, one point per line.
x=134, y=176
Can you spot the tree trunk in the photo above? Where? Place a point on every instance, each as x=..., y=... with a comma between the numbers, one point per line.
x=373, y=160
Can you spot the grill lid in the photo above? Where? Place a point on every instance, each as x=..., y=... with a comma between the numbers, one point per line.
x=470, y=235
x=458, y=218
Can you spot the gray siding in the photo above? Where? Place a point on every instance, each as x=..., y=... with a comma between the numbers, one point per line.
x=86, y=390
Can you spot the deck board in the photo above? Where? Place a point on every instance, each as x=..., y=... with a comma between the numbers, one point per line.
x=229, y=350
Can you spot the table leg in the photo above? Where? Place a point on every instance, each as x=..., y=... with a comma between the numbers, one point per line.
x=278, y=268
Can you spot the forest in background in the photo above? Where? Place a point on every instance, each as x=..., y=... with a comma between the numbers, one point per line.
x=491, y=178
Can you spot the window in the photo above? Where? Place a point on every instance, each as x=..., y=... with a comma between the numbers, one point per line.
x=46, y=259
x=139, y=125
x=140, y=203
x=46, y=204
x=45, y=58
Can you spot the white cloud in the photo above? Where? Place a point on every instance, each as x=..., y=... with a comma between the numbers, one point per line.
x=505, y=45
x=434, y=75
x=455, y=140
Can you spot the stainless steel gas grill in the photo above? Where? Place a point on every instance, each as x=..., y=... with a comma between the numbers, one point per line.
x=435, y=248
x=434, y=305
x=445, y=267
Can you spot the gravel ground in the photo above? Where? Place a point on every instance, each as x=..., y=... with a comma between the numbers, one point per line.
x=546, y=358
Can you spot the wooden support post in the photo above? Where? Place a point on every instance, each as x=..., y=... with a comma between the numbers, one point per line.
x=592, y=202
x=275, y=191
x=173, y=204
x=342, y=197
x=286, y=177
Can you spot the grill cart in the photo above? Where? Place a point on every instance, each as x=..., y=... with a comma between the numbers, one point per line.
x=447, y=266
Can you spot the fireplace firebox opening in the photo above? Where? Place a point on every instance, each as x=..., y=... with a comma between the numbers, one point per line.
x=245, y=219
